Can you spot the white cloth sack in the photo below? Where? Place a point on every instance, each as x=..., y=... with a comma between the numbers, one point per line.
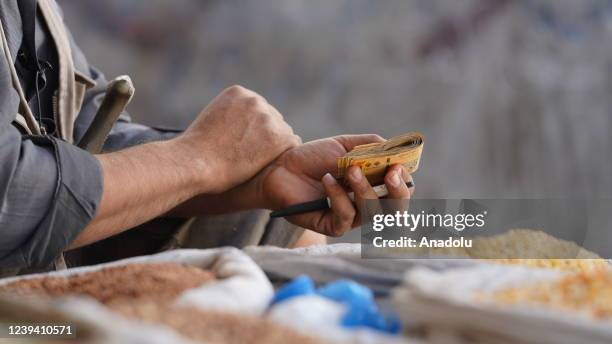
x=447, y=300
x=241, y=288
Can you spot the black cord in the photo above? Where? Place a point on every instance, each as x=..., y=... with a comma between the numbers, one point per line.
x=43, y=130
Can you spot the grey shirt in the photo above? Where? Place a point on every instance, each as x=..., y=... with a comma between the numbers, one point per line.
x=50, y=189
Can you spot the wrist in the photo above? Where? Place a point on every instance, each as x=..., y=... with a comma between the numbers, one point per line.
x=192, y=163
x=259, y=195
x=247, y=196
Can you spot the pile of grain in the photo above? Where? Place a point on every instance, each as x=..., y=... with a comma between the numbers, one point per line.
x=160, y=281
x=587, y=292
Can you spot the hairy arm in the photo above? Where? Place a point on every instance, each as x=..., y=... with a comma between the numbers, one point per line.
x=141, y=183
x=233, y=138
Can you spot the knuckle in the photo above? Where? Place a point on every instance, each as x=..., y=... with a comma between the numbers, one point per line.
x=289, y=139
x=265, y=117
x=338, y=230
x=389, y=183
x=346, y=216
x=349, y=216
x=334, y=193
x=279, y=139
x=262, y=99
x=235, y=90
x=271, y=128
x=360, y=188
x=289, y=143
x=253, y=102
x=334, y=233
x=297, y=140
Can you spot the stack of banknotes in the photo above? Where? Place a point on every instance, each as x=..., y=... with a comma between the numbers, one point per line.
x=375, y=158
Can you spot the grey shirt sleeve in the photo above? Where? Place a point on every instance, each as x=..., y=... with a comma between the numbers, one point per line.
x=50, y=191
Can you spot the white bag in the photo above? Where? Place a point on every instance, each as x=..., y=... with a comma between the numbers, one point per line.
x=242, y=287
x=446, y=300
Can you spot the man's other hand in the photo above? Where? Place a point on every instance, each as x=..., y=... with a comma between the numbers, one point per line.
x=301, y=175
x=235, y=137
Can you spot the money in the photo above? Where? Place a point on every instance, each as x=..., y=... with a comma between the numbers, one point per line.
x=375, y=158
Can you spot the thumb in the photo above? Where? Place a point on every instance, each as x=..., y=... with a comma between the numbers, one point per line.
x=350, y=141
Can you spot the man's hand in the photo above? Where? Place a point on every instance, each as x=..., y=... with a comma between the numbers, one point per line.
x=235, y=137
x=301, y=175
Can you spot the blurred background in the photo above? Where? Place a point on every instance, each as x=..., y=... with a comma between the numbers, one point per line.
x=514, y=96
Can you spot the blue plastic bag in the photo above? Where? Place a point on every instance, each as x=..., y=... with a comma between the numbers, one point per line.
x=362, y=310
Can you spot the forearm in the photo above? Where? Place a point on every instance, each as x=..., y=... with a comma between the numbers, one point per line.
x=142, y=183
x=239, y=133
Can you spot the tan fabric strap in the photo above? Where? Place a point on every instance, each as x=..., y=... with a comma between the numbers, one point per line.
x=68, y=105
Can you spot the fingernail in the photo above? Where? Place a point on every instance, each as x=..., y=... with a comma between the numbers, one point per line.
x=356, y=174
x=395, y=180
x=328, y=179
